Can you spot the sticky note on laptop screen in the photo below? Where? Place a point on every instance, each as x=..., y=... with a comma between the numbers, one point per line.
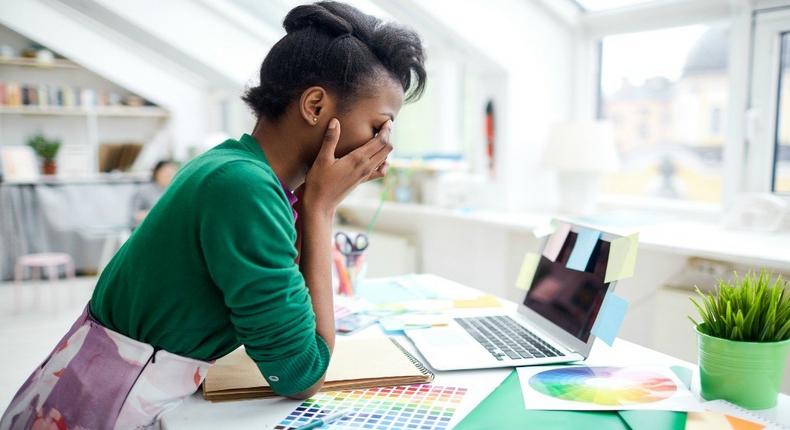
x=568, y=297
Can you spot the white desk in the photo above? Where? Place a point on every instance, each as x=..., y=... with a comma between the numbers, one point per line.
x=197, y=413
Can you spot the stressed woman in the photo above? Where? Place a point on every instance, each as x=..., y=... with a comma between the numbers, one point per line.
x=217, y=263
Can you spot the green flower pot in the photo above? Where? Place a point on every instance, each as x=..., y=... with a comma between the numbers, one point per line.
x=745, y=373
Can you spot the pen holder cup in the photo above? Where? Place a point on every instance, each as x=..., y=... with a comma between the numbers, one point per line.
x=351, y=270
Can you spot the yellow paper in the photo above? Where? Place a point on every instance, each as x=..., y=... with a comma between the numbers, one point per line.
x=527, y=272
x=709, y=420
x=622, y=258
x=706, y=421
x=478, y=302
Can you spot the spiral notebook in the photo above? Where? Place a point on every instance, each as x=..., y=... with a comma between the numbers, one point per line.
x=355, y=364
x=752, y=419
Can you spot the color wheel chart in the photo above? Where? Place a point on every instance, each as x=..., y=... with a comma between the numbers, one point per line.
x=610, y=386
x=421, y=406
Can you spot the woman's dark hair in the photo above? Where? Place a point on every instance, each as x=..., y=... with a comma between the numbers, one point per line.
x=159, y=165
x=335, y=46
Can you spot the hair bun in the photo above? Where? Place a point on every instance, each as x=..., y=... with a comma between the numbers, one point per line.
x=316, y=16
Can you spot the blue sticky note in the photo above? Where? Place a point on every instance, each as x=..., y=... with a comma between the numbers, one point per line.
x=582, y=249
x=610, y=318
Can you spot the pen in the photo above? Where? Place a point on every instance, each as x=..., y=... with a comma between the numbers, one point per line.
x=325, y=420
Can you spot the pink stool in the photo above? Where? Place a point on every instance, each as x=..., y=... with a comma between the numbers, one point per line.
x=51, y=261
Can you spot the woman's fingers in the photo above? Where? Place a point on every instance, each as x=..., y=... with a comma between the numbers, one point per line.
x=380, y=157
x=374, y=145
x=378, y=173
x=331, y=137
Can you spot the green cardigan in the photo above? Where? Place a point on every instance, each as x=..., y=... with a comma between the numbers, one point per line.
x=212, y=267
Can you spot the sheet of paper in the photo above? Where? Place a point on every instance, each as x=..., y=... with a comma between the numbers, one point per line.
x=527, y=272
x=610, y=318
x=413, y=321
x=622, y=258
x=393, y=290
x=604, y=388
x=710, y=420
x=583, y=248
x=739, y=418
x=487, y=301
x=555, y=242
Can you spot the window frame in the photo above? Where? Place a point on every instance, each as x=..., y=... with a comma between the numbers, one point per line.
x=739, y=158
x=762, y=118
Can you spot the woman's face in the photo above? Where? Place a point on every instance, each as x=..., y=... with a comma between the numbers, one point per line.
x=364, y=118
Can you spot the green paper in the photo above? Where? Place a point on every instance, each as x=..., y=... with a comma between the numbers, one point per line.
x=504, y=408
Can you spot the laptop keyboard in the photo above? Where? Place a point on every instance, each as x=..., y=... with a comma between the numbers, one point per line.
x=503, y=337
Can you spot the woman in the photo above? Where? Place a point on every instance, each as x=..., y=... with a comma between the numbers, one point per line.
x=146, y=197
x=215, y=265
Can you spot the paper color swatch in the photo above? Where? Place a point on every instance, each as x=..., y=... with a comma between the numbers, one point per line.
x=429, y=407
x=622, y=258
x=604, y=388
x=610, y=318
x=582, y=249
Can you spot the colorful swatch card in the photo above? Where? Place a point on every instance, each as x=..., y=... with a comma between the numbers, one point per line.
x=622, y=258
x=583, y=249
x=555, y=242
x=610, y=317
x=604, y=388
x=422, y=406
x=527, y=272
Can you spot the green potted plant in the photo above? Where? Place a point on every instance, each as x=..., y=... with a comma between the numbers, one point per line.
x=47, y=150
x=744, y=339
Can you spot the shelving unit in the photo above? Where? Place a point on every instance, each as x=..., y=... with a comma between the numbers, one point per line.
x=32, y=62
x=118, y=111
x=82, y=128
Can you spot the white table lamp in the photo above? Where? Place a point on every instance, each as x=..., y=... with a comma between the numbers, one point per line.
x=580, y=152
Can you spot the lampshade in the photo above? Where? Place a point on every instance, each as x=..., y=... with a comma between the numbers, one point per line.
x=582, y=146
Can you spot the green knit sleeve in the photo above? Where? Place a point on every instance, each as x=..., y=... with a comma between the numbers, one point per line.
x=247, y=237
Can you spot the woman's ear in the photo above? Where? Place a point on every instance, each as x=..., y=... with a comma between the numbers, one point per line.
x=312, y=105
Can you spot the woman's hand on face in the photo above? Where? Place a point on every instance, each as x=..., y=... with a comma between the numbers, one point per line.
x=330, y=179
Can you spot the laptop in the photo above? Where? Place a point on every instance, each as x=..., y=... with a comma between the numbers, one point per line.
x=552, y=323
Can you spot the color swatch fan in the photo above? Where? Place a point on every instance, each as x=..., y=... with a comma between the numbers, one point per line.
x=605, y=388
x=428, y=407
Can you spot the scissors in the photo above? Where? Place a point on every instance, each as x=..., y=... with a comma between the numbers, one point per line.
x=351, y=248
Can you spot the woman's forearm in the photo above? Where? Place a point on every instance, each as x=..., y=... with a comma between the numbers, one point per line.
x=316, y=267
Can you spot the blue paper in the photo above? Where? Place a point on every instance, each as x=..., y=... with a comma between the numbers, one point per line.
x=393, y=290
x=582, y=249
x=610, y=318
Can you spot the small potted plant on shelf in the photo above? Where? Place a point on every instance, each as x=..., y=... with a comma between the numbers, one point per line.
x=744, y=339
x=47, y=150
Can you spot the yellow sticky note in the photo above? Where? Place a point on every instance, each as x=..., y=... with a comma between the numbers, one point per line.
x=527, y=272
x=622, y=258
x=478, y=302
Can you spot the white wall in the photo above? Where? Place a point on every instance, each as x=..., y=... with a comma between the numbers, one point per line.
x=537, y=51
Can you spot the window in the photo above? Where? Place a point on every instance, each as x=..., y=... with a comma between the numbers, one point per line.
x=667, y=90
x=781, y=177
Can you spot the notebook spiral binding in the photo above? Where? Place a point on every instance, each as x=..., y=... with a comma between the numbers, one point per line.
x=724, y=406
x=420, y=366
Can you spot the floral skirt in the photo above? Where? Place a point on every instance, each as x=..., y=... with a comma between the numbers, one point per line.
x=96, y=378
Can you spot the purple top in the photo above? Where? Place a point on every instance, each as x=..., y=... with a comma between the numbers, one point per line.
x=292, y=199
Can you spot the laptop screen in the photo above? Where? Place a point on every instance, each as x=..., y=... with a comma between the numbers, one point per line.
x=567, y=297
